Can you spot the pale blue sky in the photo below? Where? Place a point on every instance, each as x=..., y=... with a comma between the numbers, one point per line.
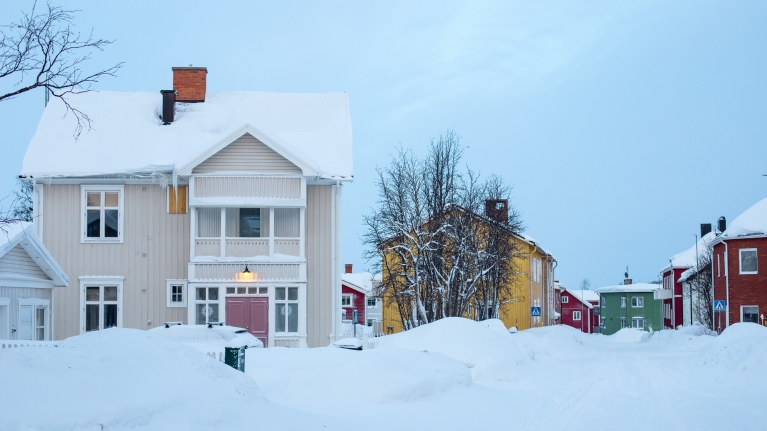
x=621, y=125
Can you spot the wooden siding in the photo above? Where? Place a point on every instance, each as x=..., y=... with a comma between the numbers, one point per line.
x=247, y=187
x=319, y=261
x=246, y=154
x=229, y=271
x=17, y=261
x=155, y=248
x=16, y=293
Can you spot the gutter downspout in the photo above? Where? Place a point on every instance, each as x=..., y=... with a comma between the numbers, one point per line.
x=336, y=262
x=727, y=283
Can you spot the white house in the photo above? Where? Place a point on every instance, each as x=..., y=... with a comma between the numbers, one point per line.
x=196, y=207
x=28, y=278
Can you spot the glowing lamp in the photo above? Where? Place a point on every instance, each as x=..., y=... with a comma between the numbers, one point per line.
x=246, y=275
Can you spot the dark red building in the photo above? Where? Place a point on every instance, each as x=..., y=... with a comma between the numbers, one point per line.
x=578, y=308
x=739, y=261
x=354, y=295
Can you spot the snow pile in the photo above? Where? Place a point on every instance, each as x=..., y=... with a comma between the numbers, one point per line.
x=627, y=335
x=752, y=221
x=322, y=378
x=363, y=280
x=128, y=379
x=691, y=336
x=202, y=337
x=740, y=347
x=490, y=353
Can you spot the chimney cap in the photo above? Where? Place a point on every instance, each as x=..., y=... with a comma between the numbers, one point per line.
x=190, y=68
x=168, y=91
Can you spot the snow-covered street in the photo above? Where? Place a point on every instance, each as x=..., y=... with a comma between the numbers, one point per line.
x=452, y=374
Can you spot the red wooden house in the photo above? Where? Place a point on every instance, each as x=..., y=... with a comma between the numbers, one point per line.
x=355, y=289
x=740, y=268
x=578, y=309
x=673, y=306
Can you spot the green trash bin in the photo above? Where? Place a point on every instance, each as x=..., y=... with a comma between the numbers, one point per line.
x=235, y=357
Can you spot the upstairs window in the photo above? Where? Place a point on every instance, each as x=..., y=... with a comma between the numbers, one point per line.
x=748, y=263
x=346, y=300
x=637, y=301
x=623, y=302
x=565, y=299
x=102, y=213
x=372, y=302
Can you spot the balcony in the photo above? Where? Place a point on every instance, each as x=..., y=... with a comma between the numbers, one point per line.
x=248, y=233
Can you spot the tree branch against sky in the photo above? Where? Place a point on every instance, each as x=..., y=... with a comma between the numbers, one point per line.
x=43, y=50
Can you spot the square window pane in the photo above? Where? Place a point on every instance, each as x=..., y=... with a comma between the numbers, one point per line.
x=751, y=314
x=201, y=293
x=230, y=290
x=249, y=223
x=94, y=199
x=279, y=293
x=212, y=313
x=91, y=317
x=292, y=317
x=279, y=318
x=110, y=315
x=748, y=261
x=213, y=293
x=40, y=317
x=293, y=293
x=93, y=224
x=252, y=290
x=240, y=290
x=110, y=200
x=40, y=334
x=92, y=293
x=110, y=293
x=201, y=310
x=110, y=223
x=263, y=290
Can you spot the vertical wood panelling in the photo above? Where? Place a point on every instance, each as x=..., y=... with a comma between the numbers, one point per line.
x=155, y=248
x=246, y=154
x=319, y=264
x=247, y=187
x=18, y=261
x=14, y=293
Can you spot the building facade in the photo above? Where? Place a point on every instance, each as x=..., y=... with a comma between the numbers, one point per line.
x=196, y=207
x=580, y=310
x=630, y=306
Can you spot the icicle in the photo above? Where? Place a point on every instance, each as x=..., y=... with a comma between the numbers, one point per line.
x=175, y=184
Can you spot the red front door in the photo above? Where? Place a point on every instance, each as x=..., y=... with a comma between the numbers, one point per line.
x=251, y=314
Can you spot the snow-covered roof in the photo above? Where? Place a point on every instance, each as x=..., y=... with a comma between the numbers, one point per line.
x=688, y=258
x=636, y=287
x=127, y=135
x=752, y=222
x=585, y=296
x=361, y=281
x=23, y=234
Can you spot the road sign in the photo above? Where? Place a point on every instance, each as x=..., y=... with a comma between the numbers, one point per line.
x=354, y=318
x=535, y=311
x=719, y=305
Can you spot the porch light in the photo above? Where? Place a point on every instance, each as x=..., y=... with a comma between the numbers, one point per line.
x=246, y=275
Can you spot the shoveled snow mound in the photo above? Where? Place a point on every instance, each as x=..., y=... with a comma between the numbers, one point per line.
x=488, y=352
x=128, y=379
x=682, y=337
x=626, y=335
x=740, y=347
x=326, y=377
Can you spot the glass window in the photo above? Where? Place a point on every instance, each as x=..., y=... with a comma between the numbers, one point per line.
x=245, y=223
x=206, y=305
x=623, y=302
x=346, y=300
x=286, y=309
x=102, y=214
x=748, y=263
x=576, y=315
x=252, y=290
x=637, y=301
x=371, y=302
x=263, y=290
x=623, y=322
x=565, y=299
x=751, y=314
x=40, y=323
x=637, y=322
x=101, y=307
x=177, y=293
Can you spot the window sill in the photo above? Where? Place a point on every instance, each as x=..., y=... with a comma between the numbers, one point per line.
x=748, y=273
x=102, y=241
x=177, y=305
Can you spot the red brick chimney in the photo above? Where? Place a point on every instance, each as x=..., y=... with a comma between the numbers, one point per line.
x=497, y=209
x=190, y=83
x=348, y=268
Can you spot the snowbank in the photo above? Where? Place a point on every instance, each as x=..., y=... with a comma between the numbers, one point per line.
x=327, y=377
x=490, y=353
x=740, y=347
x=626, y=335
x=128, y=379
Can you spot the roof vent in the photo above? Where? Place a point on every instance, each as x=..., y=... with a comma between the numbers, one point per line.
x=168, y=105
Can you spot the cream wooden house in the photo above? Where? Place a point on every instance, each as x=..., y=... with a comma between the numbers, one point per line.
x=213, y=207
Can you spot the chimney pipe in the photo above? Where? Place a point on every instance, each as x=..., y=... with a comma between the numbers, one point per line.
x=348, y=268
x=497, y=209
x=722, y=224
x=190, y=83
x=705, y=228
x=168, y=105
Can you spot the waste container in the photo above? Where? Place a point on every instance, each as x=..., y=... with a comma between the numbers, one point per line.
x=235, y=357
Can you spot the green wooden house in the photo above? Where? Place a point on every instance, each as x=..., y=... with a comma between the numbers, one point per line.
x=637, y=306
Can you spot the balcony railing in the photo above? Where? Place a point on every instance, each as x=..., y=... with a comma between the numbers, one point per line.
x=246, y=247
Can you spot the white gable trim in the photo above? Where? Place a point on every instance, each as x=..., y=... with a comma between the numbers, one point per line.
x=308, y=168
x=34, y=247
x=355, y=287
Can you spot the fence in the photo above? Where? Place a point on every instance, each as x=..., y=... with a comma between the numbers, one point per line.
x=9, y=344
x=369, y=335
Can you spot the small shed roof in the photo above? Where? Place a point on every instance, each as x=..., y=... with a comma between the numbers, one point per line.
x=359, y=281
x=584, y=296
x=23, y=234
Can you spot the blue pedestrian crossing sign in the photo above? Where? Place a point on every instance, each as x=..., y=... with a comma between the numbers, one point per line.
x=719, y=305
x=535, y=311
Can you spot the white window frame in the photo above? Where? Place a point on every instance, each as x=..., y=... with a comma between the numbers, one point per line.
x=6, y=302
x=740, y=260
x=636, y=319
x=565, y=299
x=287, y=301
x=742, y=315
x=371, y=298
x=719, y=266
x=36, y=303
x=639, y=299
x=84, y=189
x=208, y=301
x=623, y=322
x=88, y=281
x=576, y=315
x=169, y=294
x=351, y=300
x=623, y=302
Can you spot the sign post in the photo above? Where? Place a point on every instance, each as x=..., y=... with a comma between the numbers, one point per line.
x=354, y=321
x=535, y=311
x=719, y=307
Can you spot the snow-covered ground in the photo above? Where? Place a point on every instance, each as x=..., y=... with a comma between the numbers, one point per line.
x=452, y=374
